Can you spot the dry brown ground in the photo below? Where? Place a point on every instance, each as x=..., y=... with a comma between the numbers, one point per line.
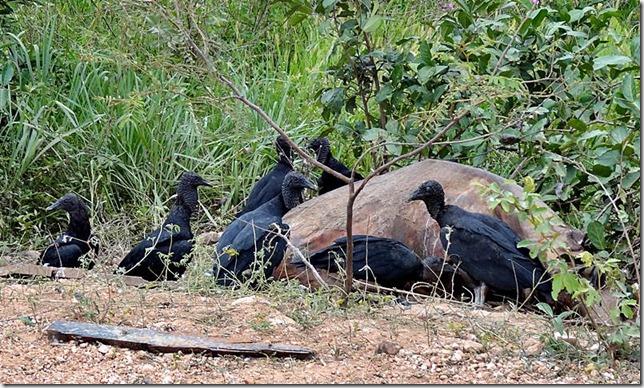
x=440, y=342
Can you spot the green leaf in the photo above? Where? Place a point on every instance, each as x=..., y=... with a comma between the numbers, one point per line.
x=426, y=73
x=595, y=231
x=630, y=178
x=577, y=14
x=619, y=134
x=610, y=60
x=577, y=124
x=371, y=134
x=327, y=4
x=297, y=18
x=7, y=73
x=545, y=308
x=608, y=159
x=372, y=24
x=392, y=126
x=538, y=16
x=627, y=87
x=557, y=285
x=333, y=99
x=587, y=258
x=571, y=283
x=384, y=93
x=635, y=48
x=394, y=149
x=396, y=74
x=425, y=53
x=27, y=321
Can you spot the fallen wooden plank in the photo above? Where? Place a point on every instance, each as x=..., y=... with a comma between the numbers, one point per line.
x=69, y=273
x=34, y=270
x=159, y=341
x=26, y=270
x=22, y=270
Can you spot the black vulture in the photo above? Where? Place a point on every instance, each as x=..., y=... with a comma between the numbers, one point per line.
x=67, y=250
x=386, y=261
x=250, y=242
x=485, y=247
x=328, y=182
x=164, y=253
x=270, y=185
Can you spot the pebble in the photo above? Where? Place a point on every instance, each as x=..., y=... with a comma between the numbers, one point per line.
x=388, y=347
x=249, y=300
x=103, y=349
x=472, y=346
x=405, y=352
x=147, y=368
x=457, y=356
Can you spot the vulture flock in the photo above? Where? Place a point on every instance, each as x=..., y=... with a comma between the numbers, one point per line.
x=478, y=253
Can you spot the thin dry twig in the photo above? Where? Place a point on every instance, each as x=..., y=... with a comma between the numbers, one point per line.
x=299, y=253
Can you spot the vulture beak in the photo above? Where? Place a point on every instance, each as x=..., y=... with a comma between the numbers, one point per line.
x=414, y=195
x=54, y=205
x=310, y=185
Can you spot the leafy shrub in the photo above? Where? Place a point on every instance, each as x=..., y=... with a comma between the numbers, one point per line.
x=554, y=91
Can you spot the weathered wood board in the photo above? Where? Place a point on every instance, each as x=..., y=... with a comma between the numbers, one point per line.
x=34, y=270
x=19, y=270
x=158, y=341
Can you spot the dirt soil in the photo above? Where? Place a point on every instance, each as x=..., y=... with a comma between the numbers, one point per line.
x=435, y=341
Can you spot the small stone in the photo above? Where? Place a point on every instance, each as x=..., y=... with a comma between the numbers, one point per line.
x=405, y=352
x=147, y=368
x=249, y=300
x=83, y=345
x=388, y=347
x=32, y=255
x=472, y=346
x=103, y=349
x=533, y=346
x=208, y=238
x=566, y=337
x=457, y=356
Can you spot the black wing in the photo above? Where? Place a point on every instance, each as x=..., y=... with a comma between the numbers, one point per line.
x=66, y=251
x=243, y=235
x=493, y=230
x=164, y=262
x=267, y=188
x=241, y=254
x=492, y=260
x=389, y=262
x=65, y=255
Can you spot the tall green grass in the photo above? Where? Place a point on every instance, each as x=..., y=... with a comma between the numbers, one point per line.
x=107, y=100
x=118, y=119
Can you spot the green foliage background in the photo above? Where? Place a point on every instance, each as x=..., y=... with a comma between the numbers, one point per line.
x=107, y=99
